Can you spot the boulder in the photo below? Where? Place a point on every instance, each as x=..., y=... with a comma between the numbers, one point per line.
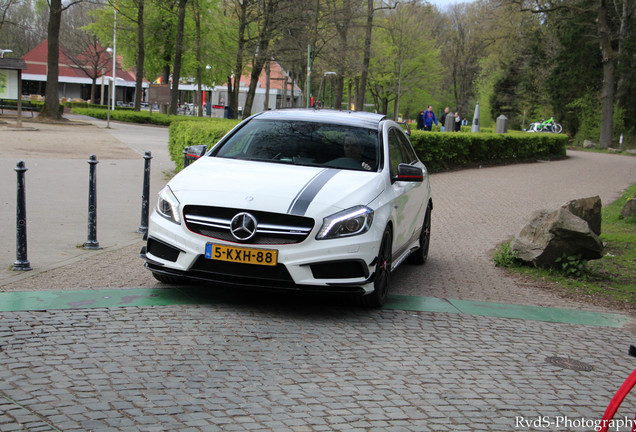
x=552, y=234
x=588, y=144
x=588, y=209
x=629, y=209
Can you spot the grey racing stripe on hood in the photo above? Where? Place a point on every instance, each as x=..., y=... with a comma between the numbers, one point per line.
x=306, y=195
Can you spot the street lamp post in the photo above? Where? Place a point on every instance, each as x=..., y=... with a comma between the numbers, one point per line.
x=114, y=54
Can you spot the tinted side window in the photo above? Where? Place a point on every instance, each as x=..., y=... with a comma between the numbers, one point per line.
x=407, y=148
x=395, y=152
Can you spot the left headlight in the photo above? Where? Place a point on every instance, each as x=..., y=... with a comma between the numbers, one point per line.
x=354, y=221
x=168, y=205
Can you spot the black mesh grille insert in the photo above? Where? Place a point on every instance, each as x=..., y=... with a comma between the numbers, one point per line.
x=245, y=274
x=162, y=250
x=340, y=270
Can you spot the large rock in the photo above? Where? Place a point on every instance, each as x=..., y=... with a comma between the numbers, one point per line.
x=629, y=208
x=588, y=209
x=552, y=234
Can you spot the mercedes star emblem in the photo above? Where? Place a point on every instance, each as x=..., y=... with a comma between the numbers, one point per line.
x=243, y=226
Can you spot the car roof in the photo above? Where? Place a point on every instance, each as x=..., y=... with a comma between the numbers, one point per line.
x=354, y=118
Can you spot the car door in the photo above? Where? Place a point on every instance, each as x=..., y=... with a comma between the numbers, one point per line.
x=408, y=205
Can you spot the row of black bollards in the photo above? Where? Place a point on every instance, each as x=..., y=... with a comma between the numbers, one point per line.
x=22, y=262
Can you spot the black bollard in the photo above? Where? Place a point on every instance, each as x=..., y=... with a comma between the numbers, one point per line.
x=92, y=242
x=145, y=195
x=21, y=262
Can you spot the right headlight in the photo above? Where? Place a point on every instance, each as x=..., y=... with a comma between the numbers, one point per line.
x=168, y=205
x=353, y=221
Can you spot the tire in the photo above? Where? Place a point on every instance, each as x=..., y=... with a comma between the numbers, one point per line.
x=170, y=280
x=558, y=128
x=382, y=273
x=420, y=256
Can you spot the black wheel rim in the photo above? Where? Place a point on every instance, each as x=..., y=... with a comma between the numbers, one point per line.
x=384, y=266
x=426, y=233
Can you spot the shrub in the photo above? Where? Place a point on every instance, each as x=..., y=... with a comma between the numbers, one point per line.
x=185, y=133
x=443, y=151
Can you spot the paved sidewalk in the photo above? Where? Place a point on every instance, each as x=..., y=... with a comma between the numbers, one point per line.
x=56, y=157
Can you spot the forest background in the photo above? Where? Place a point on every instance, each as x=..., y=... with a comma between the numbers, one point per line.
x=574, y=60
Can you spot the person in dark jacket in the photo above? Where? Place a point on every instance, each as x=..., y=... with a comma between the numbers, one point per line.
x=429, y=118
x=420, y=120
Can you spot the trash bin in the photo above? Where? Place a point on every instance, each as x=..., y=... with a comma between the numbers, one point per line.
x=228, y=112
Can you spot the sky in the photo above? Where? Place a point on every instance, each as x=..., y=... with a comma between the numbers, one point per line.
x=443, y=4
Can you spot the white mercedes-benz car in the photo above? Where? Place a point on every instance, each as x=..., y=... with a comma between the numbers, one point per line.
x=308, y=199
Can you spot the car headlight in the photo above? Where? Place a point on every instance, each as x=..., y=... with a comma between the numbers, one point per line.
x=168, y=205
x=354, y=221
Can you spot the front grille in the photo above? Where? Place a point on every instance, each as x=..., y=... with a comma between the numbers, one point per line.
x=272, y=228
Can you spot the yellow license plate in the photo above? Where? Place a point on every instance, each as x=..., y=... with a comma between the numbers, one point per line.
x=241, y=255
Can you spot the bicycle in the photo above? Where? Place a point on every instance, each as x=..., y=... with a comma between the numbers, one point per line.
x=618, y=398
x=545, y=126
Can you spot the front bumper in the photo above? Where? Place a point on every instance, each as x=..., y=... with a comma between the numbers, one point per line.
x=335, y=265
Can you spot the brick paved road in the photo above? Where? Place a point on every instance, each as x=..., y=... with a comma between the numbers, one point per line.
x=302, y=367
x=298, y=367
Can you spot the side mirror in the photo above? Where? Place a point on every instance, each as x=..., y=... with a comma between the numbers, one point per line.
x=406, y=128
x=409, y=173
x=192, y=153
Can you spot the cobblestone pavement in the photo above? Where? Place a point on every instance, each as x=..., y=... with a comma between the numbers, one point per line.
x=300, y=367
x=295, y=363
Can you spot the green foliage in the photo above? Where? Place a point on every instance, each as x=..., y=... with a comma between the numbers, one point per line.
x=441, y=151
x=185, y=134
x=588, y=112
x=504, y=257
x=572, y=266
x=130, y=116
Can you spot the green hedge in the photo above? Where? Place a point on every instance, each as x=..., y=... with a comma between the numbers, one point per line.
x=184, y=134
x=439, y=151
x=442, y=151
x=28, y=104
x=71, y=105
x=130, y=116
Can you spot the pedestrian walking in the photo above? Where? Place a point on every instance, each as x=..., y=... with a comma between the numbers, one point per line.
x=420, y=120
x=429, y=118
x=442, y=118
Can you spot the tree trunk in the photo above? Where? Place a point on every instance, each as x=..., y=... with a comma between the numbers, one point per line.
x=199, y=77
x=233, y=92
x=609, y=75
x=367, y=56
x=52, y=98
x=257, y=68
x=176, y=70
x=141, y=55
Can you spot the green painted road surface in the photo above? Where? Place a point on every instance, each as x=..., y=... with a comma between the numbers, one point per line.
x=113, y=298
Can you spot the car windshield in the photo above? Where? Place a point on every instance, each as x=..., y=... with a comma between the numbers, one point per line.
x=304, y=143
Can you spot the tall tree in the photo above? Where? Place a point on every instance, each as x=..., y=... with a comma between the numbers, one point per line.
x=610, y=15
x=52, y=101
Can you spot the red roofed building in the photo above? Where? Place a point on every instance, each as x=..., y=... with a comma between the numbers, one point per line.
x=75, y=74
x=75, y=82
